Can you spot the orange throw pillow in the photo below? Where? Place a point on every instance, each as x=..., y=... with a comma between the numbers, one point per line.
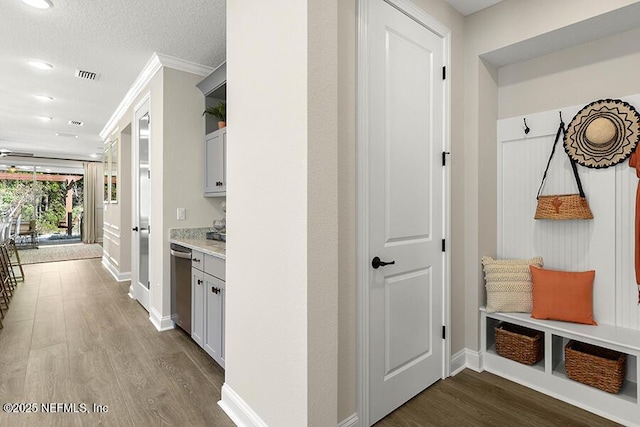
x=563, y=295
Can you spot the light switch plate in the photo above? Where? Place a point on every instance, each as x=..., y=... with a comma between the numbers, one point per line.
x=182, y=213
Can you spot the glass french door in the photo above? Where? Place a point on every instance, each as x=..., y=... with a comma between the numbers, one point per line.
x=142, y=206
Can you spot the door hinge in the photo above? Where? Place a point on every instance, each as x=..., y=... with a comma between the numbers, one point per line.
x=444, y=157
x=444, y=73
x=444, y=332
x=444, y=246
x=149, y=173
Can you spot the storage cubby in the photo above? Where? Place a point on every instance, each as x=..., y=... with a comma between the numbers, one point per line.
x=549, y=376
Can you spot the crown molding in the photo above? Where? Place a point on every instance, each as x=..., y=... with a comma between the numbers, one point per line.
x=183, y=65
x=155, y=63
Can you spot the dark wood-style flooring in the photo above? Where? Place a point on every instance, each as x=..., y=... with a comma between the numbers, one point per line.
x=72, y=335
x=484, y=399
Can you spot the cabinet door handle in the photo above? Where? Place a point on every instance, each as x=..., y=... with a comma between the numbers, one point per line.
x=199, y=282
x=215, y=290
x=195, y=260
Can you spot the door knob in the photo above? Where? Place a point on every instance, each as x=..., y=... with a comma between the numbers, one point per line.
x=375, y=263
x=135, y=228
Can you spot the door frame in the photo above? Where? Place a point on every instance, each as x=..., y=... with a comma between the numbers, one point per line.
x=144, y=300
x=362, y=195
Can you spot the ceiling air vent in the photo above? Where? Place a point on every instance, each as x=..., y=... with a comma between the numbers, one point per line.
x=75, y=123
x=86, y=75
x=66, y=135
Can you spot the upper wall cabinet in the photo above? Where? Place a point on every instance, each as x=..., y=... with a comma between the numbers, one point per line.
x=214, y=88
x=215, y=155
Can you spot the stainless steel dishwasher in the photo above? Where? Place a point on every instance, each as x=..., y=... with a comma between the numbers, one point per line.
x=181, y=286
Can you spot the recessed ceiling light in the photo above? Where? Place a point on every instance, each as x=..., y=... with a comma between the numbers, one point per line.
x=93, y=155
x=48, y=170
x=44, y=97
x=39, y=64
x=40, y=4
x=45, y=118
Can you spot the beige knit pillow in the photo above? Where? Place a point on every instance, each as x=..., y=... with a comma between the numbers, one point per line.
x=509, y=284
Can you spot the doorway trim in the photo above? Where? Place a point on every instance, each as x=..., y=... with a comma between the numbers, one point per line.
x=362, y=196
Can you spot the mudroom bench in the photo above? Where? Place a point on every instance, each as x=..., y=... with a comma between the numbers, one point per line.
x=549, y=376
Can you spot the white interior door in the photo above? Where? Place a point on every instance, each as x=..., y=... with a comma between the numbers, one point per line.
x=406, y=207
x=141, y=206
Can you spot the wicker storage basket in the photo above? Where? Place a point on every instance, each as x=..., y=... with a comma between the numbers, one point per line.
x=595, y=366
x=518, y=343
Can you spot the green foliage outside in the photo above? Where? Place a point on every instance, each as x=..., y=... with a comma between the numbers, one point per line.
x=50, y=203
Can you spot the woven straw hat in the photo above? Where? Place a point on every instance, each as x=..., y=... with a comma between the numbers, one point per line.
x=602, y=134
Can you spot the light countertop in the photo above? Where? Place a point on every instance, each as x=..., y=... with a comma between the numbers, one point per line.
x=195, y=238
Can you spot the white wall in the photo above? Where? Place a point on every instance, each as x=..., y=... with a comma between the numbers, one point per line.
x=281, y=334
x=182, y=167
x=605, y=68
x=114, y=255
x=177, y=175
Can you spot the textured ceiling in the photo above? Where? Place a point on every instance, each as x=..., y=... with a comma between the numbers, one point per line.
x=467, y=7
x=114, y=38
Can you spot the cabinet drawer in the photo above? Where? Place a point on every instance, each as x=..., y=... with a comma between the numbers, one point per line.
x=197, y=260
x=214, y=266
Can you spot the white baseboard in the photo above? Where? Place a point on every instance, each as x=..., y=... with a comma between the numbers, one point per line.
x=474, y=360
x=351, y=421
x=466, y=358
x=238, y=410
x=120, y=277
x=162, y=323
x=458, y=362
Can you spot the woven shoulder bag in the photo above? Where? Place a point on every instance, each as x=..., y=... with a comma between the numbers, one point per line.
x=563, y=206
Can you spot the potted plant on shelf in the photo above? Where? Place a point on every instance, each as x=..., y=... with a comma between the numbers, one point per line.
x=219, y=112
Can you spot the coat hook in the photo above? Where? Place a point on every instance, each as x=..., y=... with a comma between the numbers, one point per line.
x=526, y=128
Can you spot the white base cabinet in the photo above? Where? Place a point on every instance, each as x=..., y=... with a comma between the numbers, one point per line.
x=207, y=304
x=214, y=330
x=197, y=306
x=549, y=375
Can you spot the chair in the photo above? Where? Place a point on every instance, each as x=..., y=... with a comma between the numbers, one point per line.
x=13, y=249
x=30, y=232
x=4, y=293
x=7, y=267
x=7, y=282
x=4, y=231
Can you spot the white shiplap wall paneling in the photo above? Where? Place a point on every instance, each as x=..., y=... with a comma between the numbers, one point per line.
x=605, y=244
